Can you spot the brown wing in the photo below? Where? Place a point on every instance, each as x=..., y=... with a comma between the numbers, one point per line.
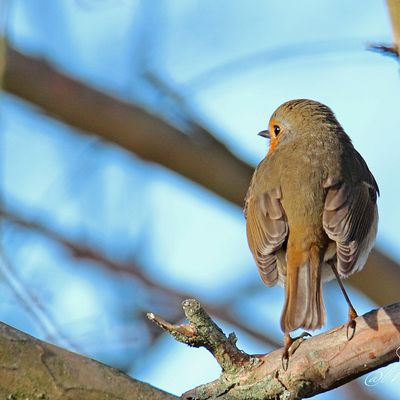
x=267, y=230
x=349, y=214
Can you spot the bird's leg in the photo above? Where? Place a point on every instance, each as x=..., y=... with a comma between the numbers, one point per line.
x=351, y=324
x=290, y=346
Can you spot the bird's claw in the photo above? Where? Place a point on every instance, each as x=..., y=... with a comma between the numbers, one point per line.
x=291, y=345
x=297, y=341
x=303, y=335
x=351, y=329
x=351, y=324
x=285, y=360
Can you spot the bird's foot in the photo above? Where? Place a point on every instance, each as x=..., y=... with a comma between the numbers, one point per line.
x=351, y=324
x=291, y=345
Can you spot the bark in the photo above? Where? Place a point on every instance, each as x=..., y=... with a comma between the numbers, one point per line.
x=318, y=364
x=32, y=369
x=199, y=157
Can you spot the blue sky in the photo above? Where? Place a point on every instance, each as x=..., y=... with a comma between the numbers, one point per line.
x=232, y=64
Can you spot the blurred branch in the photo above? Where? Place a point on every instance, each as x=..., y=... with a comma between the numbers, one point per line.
x=38, y=312
x=379, y=279
x=31, y=369
x=319, y=364
x=197, y=132
x=394, y=49
x=81, y=251
x=394, y=11
x=207, y=161
x=268, y=57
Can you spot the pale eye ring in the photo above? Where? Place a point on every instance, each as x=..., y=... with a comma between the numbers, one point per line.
x=277, y=130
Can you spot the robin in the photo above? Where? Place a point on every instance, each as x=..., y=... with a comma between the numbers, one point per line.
x=311, y=212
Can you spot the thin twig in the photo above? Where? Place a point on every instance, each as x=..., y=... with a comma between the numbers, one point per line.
x=202, y=331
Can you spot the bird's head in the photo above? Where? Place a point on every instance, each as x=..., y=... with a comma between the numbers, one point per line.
x=297, y=118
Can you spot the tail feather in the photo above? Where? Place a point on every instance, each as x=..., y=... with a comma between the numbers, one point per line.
x=304, y=307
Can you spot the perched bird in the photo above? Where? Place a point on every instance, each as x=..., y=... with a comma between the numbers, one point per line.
x=310, y=210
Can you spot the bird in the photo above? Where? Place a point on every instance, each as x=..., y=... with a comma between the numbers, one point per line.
x=311, y=212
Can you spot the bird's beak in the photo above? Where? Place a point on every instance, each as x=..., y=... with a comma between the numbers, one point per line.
x=264, y=134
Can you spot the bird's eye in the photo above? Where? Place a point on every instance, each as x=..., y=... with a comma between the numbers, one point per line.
x=277, y=130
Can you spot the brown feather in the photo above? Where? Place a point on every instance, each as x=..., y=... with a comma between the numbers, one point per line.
x=303, y=296
x=266, y=232
x=348, y=216
x=311, y=204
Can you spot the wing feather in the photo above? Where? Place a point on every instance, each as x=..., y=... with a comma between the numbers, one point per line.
x=349, y=214
x=267, y=230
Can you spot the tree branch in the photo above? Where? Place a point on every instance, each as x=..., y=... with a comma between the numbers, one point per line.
x=80, y=251
x=319, y=364
x=30, y=368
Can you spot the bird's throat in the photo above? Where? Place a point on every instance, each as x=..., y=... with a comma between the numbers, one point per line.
x=272, y=145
